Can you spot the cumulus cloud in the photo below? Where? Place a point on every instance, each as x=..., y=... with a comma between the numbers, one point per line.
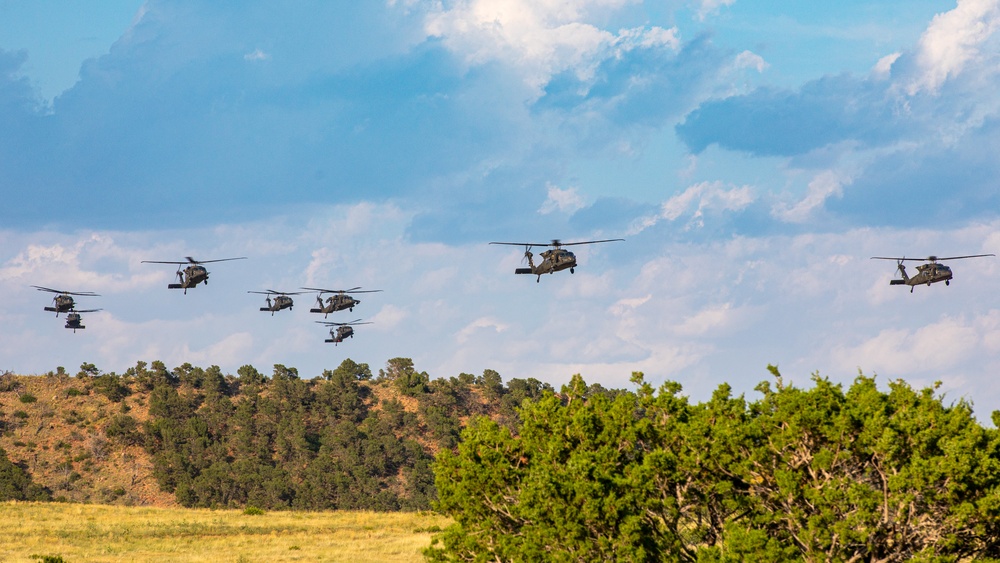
x=749, y=59
x=566, y=201
x=825, y=185
x=697, y=201
x=934, y=347
x=952, y=40
x=541, y=39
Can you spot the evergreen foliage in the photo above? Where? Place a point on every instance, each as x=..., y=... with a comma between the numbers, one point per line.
x=16, y=483
x=798, y=475
x=287, y=443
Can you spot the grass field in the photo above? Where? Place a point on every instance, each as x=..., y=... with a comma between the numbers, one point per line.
x=80, y=532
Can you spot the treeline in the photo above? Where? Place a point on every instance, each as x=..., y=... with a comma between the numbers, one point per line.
x=818, y=474
x=346, y=439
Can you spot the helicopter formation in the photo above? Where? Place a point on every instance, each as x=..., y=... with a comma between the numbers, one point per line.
x=555, y=259
x=64, y=303
x=192, y=272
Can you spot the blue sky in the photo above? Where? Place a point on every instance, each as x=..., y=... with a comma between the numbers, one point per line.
x=753, y=154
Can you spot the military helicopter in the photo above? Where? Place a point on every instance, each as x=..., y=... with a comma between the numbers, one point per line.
x=73, y=319
x=339, y=301
x=193, y=274
x=554, y=259
x=343, y=330
x=281, y=300
x=929, y=273
x=63, y=301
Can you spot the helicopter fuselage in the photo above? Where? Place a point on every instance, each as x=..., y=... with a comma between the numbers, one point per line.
x=63, y=303
x=280, y=302
x=339, y=334
x=191, y=276
x=553, y=260
x=73, y=321
x=335, y=303
x=926, y=275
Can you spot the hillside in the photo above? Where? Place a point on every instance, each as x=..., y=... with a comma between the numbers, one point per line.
x=196, y=437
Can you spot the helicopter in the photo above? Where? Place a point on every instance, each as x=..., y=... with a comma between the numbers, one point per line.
x=193, y=274
x=343, y=330
x=554, y=259
x=281, y=300
x=931, y=272
x=339, y=301
x=63, y=301
x=73, y=319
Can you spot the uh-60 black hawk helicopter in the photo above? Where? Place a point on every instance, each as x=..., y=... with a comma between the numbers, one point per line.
x=554, y=259
x=931, y=272
x=193, y=274
x=73, y=319
x=340, y=300
x=63, y=301
x=281, y=300
x=343, y=330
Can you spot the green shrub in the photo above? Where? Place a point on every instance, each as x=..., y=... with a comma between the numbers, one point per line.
x=27, y=398
x=20, y=414
x=73, y=392
x=253, y=511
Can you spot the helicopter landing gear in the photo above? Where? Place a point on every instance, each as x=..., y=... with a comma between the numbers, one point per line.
x=572, y=270
x=947, y=282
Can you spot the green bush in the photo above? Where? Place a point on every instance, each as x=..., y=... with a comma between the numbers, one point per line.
x=28, y=398
x=73, y=392
x=253, y=511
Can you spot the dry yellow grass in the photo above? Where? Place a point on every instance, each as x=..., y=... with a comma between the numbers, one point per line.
x=79, y=532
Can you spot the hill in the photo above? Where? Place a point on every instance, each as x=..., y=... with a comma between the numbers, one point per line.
x=190, y=436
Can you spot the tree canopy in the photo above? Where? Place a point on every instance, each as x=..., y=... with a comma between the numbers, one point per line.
x=797, y=475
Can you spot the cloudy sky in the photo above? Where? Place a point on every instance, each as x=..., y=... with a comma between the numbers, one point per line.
x=754, y=155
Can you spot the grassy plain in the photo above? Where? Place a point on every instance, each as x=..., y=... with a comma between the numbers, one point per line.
x=81, y=532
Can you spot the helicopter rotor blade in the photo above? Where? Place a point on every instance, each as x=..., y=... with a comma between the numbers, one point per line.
x=931, y=258
x=219, y=260
x=79, y=293
x=588, y=241
x=936, y=258
x=191, y=261
x=558, y=243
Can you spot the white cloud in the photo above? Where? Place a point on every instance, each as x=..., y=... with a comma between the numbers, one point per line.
x=713, y=317
x=825, y=185
x=900, y=351
x=710, y=7
x=488, y=323
x=256, y=55
x=696, y=200
x=540, y=37
x=748, y=59
x=566, y=201
x=951, y=41
x=883, y=68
